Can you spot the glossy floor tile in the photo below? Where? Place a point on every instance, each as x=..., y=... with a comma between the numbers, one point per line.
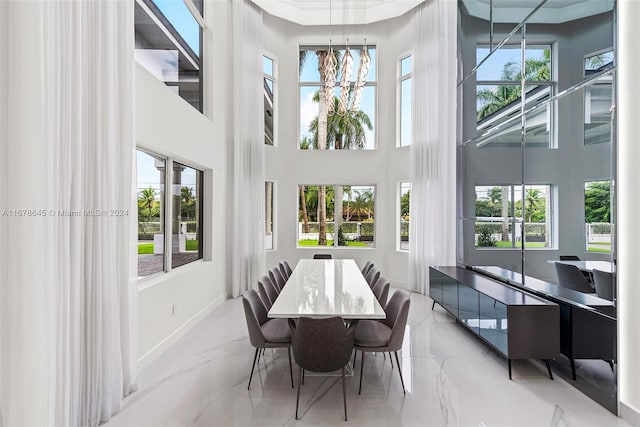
x=452, y=379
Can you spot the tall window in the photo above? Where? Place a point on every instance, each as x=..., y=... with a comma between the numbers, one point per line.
x=323, y=222
x=168, y=36
x=405, y=204
x=499, y=216
x=268, y=215
x=269, y=99
x=405, y=101
x=179, y=217
x=351, y=129
x=498, y=96
x=597, y=216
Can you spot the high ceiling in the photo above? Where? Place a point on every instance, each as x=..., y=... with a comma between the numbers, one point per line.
x=316, y=12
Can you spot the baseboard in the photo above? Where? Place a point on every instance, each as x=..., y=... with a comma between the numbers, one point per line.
x=181, y=331
x=629, y=414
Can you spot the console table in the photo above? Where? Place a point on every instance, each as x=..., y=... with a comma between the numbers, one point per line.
x=515, y=323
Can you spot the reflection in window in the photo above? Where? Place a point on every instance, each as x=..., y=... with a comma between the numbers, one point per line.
x=405, y=101
x=354, y=218
x=598, y=99
x=167, y=44
x=597, y=216
x=151, y=185
x=499, y=218
x=268, y=215
x=354, y=129
x=269, y=99
x=186, y=225
x=405, y=199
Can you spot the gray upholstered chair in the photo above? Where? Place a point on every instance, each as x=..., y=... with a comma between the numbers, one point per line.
x=372, y=276
x=381, y=290
x=322, y=256
x=384, y=335
x=264, y=332
x=569, y=276
x=366, y=268
x=322, y=345
x=267, y=292
x=276, y=278
x=604, y=283
x=285, y=269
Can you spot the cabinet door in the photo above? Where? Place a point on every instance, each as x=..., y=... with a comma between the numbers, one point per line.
x=468, y=310
x=449, y=294
x=435, y=287
x=493, y=323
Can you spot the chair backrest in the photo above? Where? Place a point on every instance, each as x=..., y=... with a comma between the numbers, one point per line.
x=287, y=267
x=283, y=271
x=266, y=287
x=372, y=276
x=276, y=278
x=604, y=282
x=366, y=268
x=381, y=290
x=397, y=311
x=322, y=256
x=569, y=258
x=569, y=276
x=255, y=315
x=322, y=344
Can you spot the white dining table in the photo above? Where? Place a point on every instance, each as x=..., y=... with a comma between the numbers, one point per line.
x=589, y=266
x=322, y=288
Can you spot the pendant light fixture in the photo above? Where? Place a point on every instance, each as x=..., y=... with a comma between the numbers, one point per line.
x=363, y=68
x=330, y=66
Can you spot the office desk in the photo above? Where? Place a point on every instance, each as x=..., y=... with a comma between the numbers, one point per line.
x=322, y=288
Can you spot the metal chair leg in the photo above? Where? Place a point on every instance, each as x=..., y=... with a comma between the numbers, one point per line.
x=298, y=394
x=355, y=354
x=255, y=357
x=303, y=376
x=509, y=363
x=400, y=372
x=290, y=367
x=391, y=360
x=344, y=395
x=361, y=369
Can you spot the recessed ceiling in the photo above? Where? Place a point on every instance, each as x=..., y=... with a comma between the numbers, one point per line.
x=552, y=12
x=348, y=12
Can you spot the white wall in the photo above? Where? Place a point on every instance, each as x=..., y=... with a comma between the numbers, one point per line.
x=166, y=124
x=384, y=167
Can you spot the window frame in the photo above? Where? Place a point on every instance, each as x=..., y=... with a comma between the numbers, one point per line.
x=274, y=213
x=399, y=216
x=274, y=82
x=401, y=79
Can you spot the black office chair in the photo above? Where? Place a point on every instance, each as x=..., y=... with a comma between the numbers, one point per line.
x=569, y=276
x=604, y=284
x=569, y=258
x=322, y=256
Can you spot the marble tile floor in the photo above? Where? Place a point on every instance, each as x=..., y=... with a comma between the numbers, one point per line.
x=452, y=379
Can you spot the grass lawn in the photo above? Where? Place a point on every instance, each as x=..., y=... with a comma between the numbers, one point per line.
x=147, y=248
x=518, y=245
x=313, y=243
x=191, y=245
x=603, y=250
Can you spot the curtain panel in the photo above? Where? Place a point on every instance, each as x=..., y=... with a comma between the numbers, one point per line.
x=432, y=152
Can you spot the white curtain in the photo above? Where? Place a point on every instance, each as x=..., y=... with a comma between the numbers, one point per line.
x=68, y=155
x=248, y=256
x=432, y=153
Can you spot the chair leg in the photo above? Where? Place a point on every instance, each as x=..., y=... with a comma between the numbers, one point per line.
x=361, y=369
x=509, y=363
x=400, y=372
x=610, y=362
x=433, y=305
x=303, y=376
x=290, y=367
x=391, y=360
x=299, y=387
x=355, y=354
x=573, y=369
x=344, y=395
x=255, y=357
x=546, y=362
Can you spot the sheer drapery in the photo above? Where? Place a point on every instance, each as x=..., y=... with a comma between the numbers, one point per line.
x=432, y=153
x=65, y=299
x=248, y=257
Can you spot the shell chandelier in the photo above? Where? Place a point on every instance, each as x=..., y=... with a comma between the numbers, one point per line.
x=345, y=82
x=330, y=68
x=363, y=70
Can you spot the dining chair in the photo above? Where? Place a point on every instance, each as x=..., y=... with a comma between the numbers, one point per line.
x=569, y=258
x=266, y=288
x=322, y=256
x=604, y=283
x=384, y=335
x=285, y=269
x=372, y=276
x=264, y=332
x=569, y=276
x=322, y=345
x=381, y=290
x=366, y=268
x=276, y=278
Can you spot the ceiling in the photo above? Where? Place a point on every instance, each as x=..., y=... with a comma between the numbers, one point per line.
x=316, y=12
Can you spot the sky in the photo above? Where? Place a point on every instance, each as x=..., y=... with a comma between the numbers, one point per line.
x=180, y=17
x=149, y=175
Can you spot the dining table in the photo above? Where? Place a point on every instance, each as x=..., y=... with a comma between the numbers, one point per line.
x=324, y=288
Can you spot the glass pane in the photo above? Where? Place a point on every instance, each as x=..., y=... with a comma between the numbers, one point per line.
x=537, y=226
x=405, y=65
x=268, y=214
x=315, y=228
x=405, y=199
x=267, y=66
x=268, y=111
x=177, y=13
x=405, y=113
x=468, y=310
x=150, y=176
x=597, y=216
x=449, y=294
x=357, y=218
x=597, y=63
x=598, y=100
x=186, y=230
x=505, y=63
x=493, y=322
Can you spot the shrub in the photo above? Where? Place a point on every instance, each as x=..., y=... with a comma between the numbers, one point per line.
x=485, y=237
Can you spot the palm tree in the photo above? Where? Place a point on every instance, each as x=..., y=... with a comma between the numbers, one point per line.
x=346, y=131
x=187, y=202
x=303, y=207
x=532, y=200
x=146, y=200
x=495, y=198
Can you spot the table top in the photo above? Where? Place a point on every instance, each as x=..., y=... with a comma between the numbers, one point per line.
x=589, y=265
x=321, y=288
